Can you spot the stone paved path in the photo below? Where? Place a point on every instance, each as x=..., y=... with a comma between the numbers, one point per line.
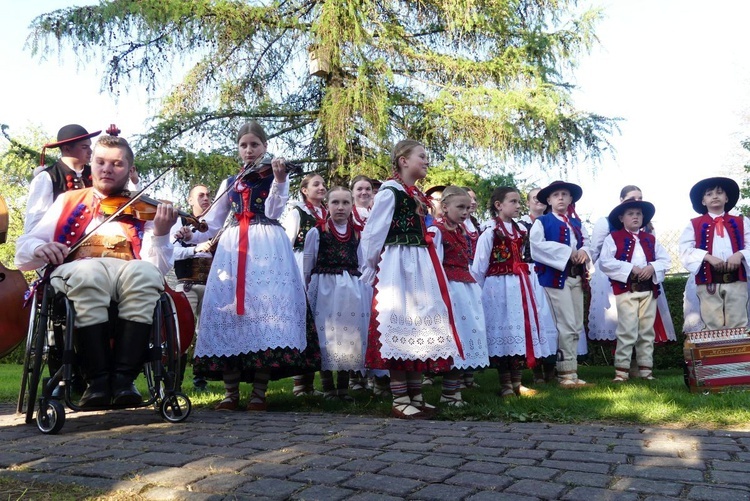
x=214, y=456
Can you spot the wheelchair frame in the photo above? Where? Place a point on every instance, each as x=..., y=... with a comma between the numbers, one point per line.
x=161, y=367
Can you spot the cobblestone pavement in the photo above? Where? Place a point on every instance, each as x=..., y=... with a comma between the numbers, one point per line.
x=215, y=455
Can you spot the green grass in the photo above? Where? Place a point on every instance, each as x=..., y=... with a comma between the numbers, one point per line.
x=665, y=401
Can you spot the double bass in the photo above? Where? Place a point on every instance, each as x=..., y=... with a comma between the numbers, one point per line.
x=14, y=316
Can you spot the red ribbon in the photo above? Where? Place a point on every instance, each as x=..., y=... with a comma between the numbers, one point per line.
x=521, y=269
x=719, y=221
x=443, y=284
x=244, y=219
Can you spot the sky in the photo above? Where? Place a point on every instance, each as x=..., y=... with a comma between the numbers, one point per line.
x=676, y=72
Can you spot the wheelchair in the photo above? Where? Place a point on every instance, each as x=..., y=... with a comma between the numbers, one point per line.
x=51, y=323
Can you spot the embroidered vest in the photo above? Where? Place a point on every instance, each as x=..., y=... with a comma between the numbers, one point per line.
x=502, y=255
x=259, y=191
x=526, y=248
x=455, y=254
x=703, y=227
x=557, y=231
x=472, y=237
x=335, y=256
x=77, y=213
x=306, y=223
x=64, y=178
x=625, y=246
x=407, y=227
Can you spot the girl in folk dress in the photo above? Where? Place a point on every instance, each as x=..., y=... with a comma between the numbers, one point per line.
x=519, y=320
x=472, y=227
x=411, y=327
x=339, y=300
x=466, y=296
x=253, y=322
x=297, y=222
x=362, y=192
x=603, y=310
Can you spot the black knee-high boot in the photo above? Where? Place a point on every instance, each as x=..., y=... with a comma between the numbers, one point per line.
x=95, y=353
x=130, y=346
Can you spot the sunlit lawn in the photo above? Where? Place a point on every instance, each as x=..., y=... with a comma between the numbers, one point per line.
x=665, y=401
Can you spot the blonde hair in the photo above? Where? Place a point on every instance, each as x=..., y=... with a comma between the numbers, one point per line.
x=402, y=149
x=117, y=142
x=339, y=188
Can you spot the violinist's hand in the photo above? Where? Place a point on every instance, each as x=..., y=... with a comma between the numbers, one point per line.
x=278, y=165
x=185, y=234
x=203, y=248
x=52, y=252
x=166, y=216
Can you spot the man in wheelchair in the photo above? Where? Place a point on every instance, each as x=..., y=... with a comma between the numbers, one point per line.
x=121, y=261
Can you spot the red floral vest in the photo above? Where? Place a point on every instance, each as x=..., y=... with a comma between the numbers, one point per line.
x=455, y=254
x=504, y=249
x=625, y=244
x=703, y=226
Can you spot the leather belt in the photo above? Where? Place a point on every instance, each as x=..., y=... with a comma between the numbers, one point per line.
x=641, y=286
x=725, y=277
x=575, y=270
x=103, y=246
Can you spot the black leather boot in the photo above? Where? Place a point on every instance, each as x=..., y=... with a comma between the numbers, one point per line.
x=95, y=354
x=130, y=347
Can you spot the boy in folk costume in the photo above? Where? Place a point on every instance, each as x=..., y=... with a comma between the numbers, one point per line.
x=559, y=247
x=635, y=264
x=713, y=248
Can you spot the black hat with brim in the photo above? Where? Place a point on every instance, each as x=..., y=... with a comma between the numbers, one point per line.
x=647, y=208
x=575, y=191
x=70, y=134
x=432, y=189
x=730, y=187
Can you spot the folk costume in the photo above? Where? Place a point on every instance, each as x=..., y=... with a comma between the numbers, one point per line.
x=635, y=300
x=466, y=295
x=553, y=239
x=56, y=179
x=411, y=325
x=519, y=321
x=254, y=317
x=339, y=300
x=603, y=310
x=123, y=262
x=359, y=217
x=721, y=297
x=298, y=221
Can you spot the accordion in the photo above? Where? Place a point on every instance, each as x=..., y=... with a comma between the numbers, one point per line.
x=716, y=360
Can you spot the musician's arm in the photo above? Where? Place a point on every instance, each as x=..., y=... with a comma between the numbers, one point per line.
x=42, y=233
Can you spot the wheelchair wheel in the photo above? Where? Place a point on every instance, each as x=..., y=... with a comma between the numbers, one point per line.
x=51, y=417
x=33, y=360
x=175, y=408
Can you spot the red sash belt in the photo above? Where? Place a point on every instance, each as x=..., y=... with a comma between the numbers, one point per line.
x=244, y=219
x=522, y=271
x=443, y=284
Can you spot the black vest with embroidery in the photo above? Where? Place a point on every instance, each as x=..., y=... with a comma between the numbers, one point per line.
x=306, y=223
x=259, y=191
x=407, y=227
x=64, y=178
x=334, y=256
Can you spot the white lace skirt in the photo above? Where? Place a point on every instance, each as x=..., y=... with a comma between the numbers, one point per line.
x=341, y=307
x=412, y=317
x=504, y=316
x=275, y=301
x=468, y=314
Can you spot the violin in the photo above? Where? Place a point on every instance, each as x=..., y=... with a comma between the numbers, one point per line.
x=261, y=169
x=143, y=209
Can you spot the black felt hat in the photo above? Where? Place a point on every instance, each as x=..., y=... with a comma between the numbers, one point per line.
x=432, y=189
x=647, y=208
x=575, y=191
x=71, y=133
x=730, y=187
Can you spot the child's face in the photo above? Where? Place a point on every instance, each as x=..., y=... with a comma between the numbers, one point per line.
x=535, y=205
x=715, y=199
x=415, y=165
x=560, y=200
x=250, y=148
x=340, y=206
x=510, y=207
x=632, y=219
x=473, y=206
x=315, y=191
x=456, y=209
x=363, y=193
